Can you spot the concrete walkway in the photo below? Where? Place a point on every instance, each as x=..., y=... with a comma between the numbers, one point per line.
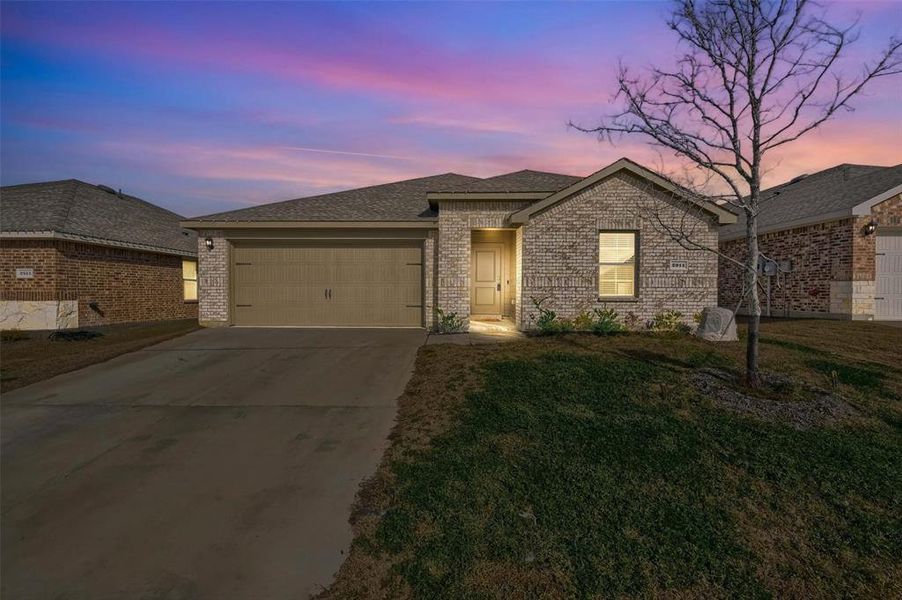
x=481, y=332
x=222, y=464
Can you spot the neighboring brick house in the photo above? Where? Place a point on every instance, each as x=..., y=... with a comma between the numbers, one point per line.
x=74, y=254
x=390, y=255
x=834, y=243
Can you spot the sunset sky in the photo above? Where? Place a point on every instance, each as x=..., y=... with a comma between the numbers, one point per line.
x=208, y=107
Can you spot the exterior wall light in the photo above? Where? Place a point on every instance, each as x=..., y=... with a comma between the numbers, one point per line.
x=209, y=243
x=870, y=228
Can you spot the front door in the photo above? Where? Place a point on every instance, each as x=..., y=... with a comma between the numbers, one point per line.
x=888, y=299
x=485, y=278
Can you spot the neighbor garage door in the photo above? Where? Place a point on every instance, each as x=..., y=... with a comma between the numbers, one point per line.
x=888, y=298
x=345, y=285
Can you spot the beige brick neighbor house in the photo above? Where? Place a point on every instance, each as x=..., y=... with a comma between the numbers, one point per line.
x=832, y=243
x=74, y=254
x=390, y=255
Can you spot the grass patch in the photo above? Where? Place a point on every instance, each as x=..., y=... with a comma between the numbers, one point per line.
x=589, y=467
x=864, y=377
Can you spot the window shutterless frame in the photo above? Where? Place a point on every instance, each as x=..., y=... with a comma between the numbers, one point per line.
x=636, y=265
x=189, y=280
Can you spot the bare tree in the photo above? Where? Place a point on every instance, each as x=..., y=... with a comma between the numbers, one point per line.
x=755, y=75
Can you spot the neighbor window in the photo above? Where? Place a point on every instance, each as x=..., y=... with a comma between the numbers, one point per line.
x=617, y=264
x=189, y=279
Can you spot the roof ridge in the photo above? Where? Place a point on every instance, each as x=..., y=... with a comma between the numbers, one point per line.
x=37, y=183
x=817, y=174
x=64, y=218
x=366, y=187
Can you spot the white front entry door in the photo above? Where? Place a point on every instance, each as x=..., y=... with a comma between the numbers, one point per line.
x=888, y=296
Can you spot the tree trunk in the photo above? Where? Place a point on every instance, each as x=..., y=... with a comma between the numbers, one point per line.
x=754, y=304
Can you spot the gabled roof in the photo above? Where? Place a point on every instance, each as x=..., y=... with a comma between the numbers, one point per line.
x=623, y=164
x=835, y=193
x=75, y=210
x=389, y=202
x=518, y=181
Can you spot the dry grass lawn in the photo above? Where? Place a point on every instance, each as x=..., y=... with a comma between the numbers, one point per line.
x=29, y=357
x=583, y=466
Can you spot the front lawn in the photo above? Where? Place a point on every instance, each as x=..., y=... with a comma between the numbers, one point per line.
x=584, y=466
x=31, y=356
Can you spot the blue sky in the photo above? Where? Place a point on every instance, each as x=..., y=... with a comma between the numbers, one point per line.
x=204, y=107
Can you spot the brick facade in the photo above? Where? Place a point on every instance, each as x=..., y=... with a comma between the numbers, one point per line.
x=456, y=221
x=554, y=255
x=832, y=267
x=559, y=250
x=111, y=285
x=213, y=279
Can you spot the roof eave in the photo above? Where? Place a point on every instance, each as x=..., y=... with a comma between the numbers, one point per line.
x=864, y=208
x=724, y=217
x=97, y=241
x=435, y=197
x=201, y=224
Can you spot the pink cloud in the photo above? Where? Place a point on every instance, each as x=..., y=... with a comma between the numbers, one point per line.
x=405, y=67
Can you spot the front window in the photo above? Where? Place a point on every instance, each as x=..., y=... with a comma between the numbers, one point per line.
x=189, y=280
x=617, y=264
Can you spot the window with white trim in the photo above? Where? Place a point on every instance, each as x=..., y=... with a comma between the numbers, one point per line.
x=617, y=252
x=189, y=280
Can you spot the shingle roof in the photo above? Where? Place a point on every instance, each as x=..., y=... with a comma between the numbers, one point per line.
x=399, y=201
x=825, y=193
x=79, y=210
x=519, y=181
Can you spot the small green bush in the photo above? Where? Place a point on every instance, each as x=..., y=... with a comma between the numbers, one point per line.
x=564, y=325
x=668, y=320
x=546, y=323
x=598, y=321
x=605, y=322
x=447, y=322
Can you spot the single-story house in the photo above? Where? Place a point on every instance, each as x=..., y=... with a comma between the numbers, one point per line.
x=832, y=246
x=74, y=254
x=390, y=255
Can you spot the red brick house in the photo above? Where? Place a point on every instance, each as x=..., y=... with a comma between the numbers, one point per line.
x=832, y=243
x=74, y=254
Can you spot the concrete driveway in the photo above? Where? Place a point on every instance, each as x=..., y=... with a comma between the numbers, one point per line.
x=222, y=464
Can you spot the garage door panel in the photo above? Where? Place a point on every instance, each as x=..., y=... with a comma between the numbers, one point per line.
x=371, y=285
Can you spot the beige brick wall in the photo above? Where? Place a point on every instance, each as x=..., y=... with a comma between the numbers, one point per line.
x=430, y=252
x=560, y=253
x=457, y=219
x=213, y=279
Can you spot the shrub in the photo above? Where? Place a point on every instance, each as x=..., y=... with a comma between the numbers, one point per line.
x=447, y=322
x=547, y=321
x=668, y=320
x=605, y=321
x=564, y=325
x=584, y=321
x=598, y=321
x=631, y=320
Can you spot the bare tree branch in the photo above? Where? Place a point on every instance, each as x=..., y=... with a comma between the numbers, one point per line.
x=755, y=75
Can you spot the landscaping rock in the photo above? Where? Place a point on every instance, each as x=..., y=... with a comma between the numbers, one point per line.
x=717, y=325
x=805, y=406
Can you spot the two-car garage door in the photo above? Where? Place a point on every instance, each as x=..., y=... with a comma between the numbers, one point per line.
x=327, y=284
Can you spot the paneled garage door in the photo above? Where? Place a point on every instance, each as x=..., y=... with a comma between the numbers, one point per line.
x=888, y=297
x=348, y=285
